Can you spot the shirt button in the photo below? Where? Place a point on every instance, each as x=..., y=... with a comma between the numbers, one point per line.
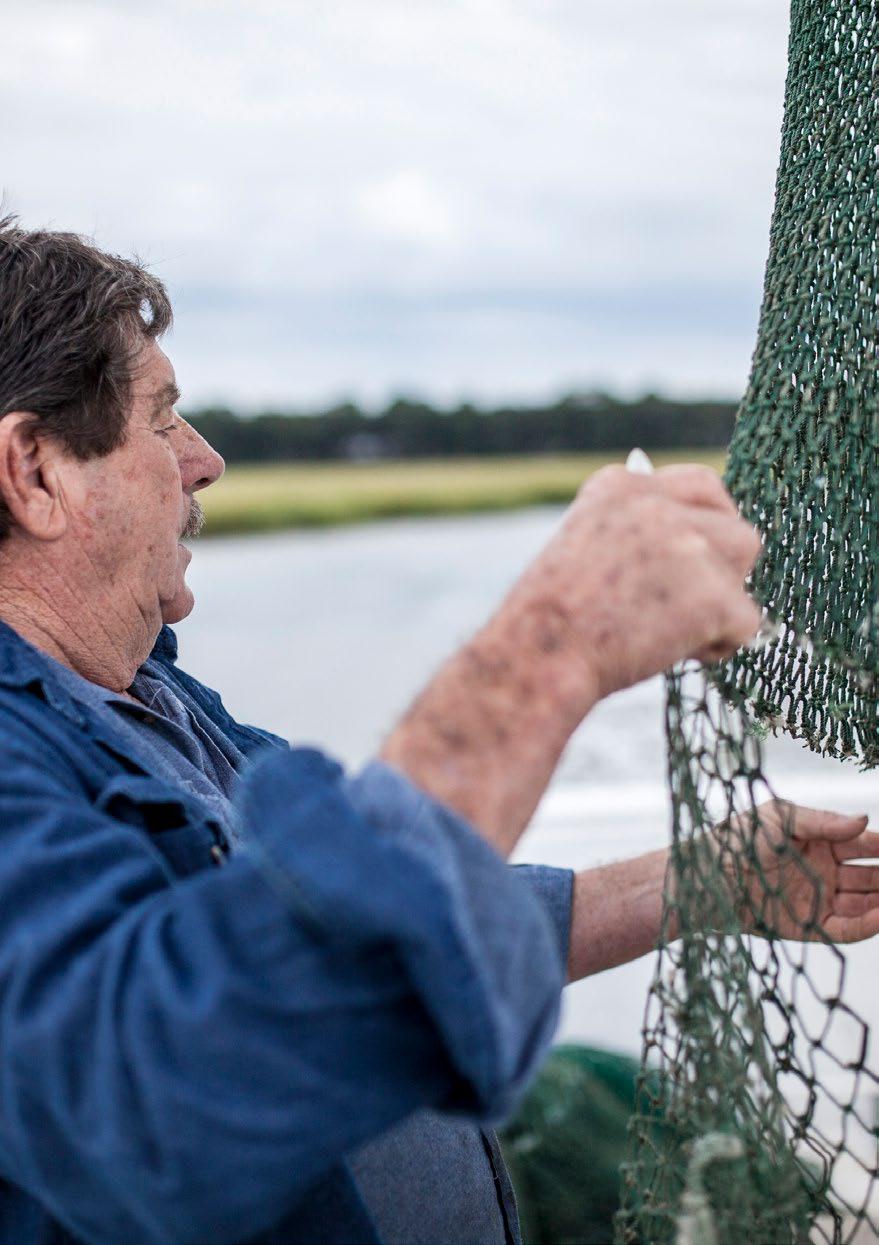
x=217, y=854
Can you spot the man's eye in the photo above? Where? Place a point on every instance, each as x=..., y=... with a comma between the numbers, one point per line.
x=170, y=428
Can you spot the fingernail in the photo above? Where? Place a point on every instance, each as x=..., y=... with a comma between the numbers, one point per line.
x=638, y=463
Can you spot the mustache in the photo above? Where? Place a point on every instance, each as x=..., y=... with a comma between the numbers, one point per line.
x=195, y=521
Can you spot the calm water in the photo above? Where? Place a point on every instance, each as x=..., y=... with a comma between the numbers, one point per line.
x=325, y=637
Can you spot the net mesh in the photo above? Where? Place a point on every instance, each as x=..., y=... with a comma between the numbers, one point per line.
x=759, y=1065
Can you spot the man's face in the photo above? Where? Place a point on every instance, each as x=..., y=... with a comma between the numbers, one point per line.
x=132, y=506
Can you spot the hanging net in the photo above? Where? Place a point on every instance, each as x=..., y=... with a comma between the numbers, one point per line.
x=759, y=1066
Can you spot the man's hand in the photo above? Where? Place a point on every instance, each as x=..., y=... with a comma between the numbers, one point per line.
x=645, y=571
x=798, y=886
x=802, y=880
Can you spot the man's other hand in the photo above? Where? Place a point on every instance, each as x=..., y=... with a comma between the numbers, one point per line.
x=793, y=873
x=806, y=877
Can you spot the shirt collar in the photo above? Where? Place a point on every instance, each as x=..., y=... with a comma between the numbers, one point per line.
x=24, y=665
x=165, y=647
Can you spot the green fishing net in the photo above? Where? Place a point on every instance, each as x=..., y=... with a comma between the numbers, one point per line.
x=759, y=1064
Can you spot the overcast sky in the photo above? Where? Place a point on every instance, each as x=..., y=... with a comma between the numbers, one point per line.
x=455, y=198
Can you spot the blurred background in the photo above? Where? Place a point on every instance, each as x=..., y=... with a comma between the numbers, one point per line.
x=400, y=230
x=483, y=200
x=432, y=262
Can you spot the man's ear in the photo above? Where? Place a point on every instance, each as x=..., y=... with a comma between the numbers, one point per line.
x=30, y=483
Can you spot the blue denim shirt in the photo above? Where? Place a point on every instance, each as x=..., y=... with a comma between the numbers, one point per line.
x=189, y=1053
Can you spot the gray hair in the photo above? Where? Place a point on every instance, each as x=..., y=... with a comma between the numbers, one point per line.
x=72, y=318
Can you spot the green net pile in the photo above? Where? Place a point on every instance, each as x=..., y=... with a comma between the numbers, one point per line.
x=759, y=1063
x=565, y=1145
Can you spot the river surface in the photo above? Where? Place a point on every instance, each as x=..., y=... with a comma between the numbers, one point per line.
x=325, y=637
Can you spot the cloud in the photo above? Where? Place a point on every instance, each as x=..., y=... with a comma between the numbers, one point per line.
x=406, y=206
x=485, y=170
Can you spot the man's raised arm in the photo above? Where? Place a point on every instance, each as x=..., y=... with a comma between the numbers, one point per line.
x=645, y=571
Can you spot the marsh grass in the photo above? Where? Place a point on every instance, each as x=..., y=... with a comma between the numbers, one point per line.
x=287, y=495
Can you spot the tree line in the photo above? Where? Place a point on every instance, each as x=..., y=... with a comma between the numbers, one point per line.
x=577, y=423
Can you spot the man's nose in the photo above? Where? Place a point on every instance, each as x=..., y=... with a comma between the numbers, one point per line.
x=200, y=464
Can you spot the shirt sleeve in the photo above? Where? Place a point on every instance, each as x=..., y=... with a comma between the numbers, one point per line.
x=555, y=890
x=181, y=1059
x=477, y=946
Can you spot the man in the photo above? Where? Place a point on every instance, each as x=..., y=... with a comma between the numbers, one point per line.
x=243, y=996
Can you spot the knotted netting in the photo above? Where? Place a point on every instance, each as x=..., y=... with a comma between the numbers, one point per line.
x=756, y=1120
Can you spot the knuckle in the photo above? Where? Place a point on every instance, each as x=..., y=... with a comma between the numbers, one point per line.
x=695, y=473
x=747, y=537
x=692, y=543
x=727, y=606
x=616, y=488
x=705, y=485
x=649, y=507
x=714, y=484
x=608, y=478
x=747, y=621
x=756, y=541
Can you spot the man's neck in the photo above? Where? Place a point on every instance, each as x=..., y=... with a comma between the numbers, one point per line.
x=90, y=637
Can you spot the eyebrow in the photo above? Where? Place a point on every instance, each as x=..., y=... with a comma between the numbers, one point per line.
x=168, y=395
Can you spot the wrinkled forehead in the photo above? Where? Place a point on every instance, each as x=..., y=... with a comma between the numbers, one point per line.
x=154, y=383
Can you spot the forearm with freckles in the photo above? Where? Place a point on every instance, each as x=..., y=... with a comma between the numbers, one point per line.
x=616, y=914
x=486, y=734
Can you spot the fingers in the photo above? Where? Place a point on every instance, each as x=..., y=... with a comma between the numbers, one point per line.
x=710, y=509
x=855, y=905
x=667, y=556
x=858, y=847
x=817, y=823
x=858, y=879
x=846, y=830
x=728, y=554
x=694, y=485
x=732, y=539
x=853, y=928
x=739, y=625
